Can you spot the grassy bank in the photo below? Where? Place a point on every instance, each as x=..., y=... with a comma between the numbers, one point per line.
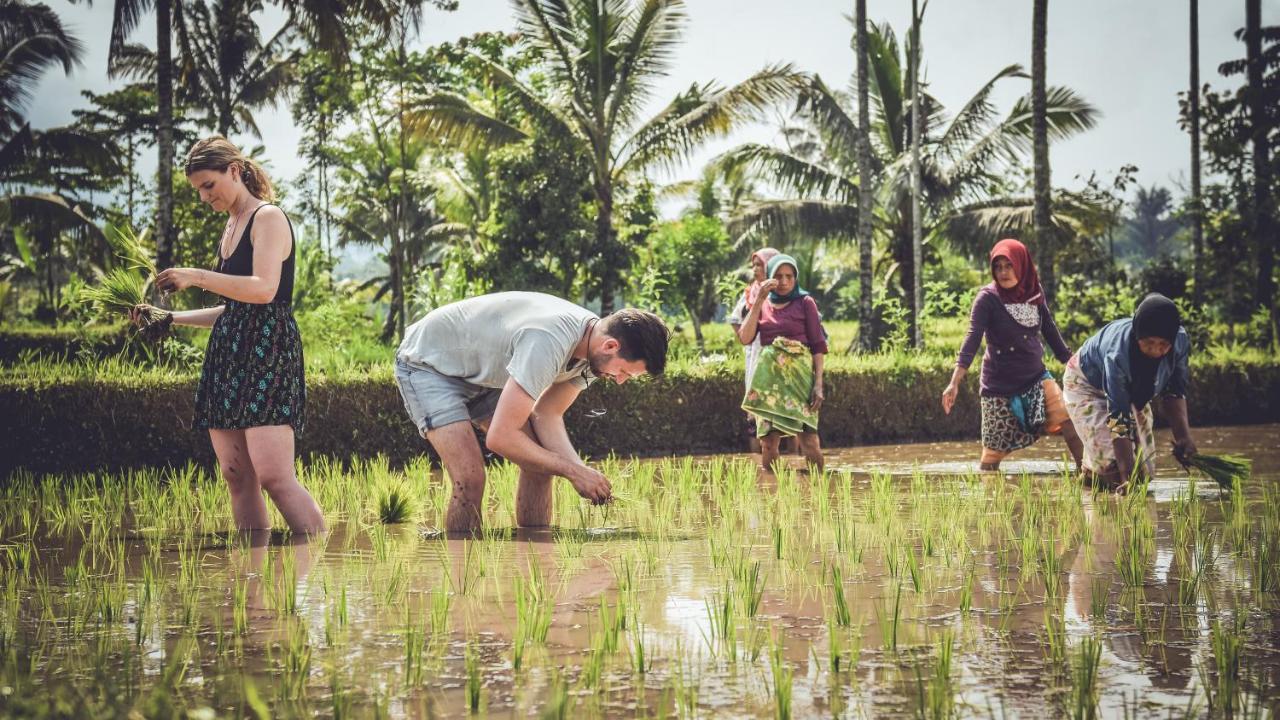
x=88, y=415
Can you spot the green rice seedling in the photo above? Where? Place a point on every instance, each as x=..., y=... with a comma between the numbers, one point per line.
x=1084, y=694
x=966, y=591
x=1227, y=643
x=475, y=679
x=640, y=659
x=296, y=662
x=1200, y=561
x=557, y=706
x=835, y=646
x=890, y=620
x=288, y=583
x=1099, y=598
x=782, y=680
x=686, y=681
x=1051, y=565
x=1226, y=470
x=1055, y=638
x=750, y=587
x=414, y=649
x=722, y=625
x=395, y=503
x=593, y=668
x=840, y=605
x=240, y=606
x=612, y=622
x=1266, y=546
x=937, y=699
x=441, y=603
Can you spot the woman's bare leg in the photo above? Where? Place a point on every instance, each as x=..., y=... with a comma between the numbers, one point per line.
x=769, y=450
x=811, y=448
x=271, y=451
x=248, y=508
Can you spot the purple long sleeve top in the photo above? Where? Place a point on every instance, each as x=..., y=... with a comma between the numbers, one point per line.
x=797, y=321
x=1014, y=358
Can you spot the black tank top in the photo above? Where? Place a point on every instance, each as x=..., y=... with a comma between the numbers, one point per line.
x=241, y=260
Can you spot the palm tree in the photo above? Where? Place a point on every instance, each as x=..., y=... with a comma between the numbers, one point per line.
x=223, y=66
x=1193, y=108
x=917, y=222
x=1044, y=234
x=1263, y=226
x=601, y=58
x=32, y=39
x=866, y=328
x=322, y=22
x=962, y=158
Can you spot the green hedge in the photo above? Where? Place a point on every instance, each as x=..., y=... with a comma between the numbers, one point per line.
x=100, y=340
x=69, y=424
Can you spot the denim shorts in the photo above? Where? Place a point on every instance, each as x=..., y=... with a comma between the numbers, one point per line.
x=434, y=400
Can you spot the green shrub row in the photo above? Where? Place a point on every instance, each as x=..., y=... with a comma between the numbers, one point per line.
x=98, y=341
x=81, y=423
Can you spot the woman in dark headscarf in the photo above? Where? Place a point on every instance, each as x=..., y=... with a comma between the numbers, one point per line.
x=1020, y=400
x=1110, y=383
x=785, y=392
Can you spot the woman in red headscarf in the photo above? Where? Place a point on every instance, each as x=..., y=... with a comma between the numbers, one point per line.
x=759, y=261
x=1020, y=400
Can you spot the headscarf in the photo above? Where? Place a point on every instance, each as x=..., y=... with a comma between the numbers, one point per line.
x=1157, y=316
x=752, y=292
x=778, y=261
x=1028, y=289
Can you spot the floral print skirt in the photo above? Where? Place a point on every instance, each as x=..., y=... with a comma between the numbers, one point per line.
x=780, y=389
x=253, y=373
x=1088, y=408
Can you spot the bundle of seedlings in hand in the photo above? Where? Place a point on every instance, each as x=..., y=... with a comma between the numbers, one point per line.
x=1223, y=469
x=124, y=288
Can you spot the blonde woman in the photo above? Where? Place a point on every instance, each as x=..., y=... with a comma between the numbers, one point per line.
x=252, y=392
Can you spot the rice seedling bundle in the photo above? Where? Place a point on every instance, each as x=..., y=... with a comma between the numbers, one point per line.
x=125, y=287
x=1225, y=470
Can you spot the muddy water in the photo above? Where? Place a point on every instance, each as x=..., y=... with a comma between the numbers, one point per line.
x=351, y=623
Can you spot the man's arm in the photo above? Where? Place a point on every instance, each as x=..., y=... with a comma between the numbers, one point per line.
x=506, y=438
x=548, y=420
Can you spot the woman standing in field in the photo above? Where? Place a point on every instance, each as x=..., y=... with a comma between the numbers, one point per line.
x=759, y=261
x=1020, y=400
x=785, y=391
x=252, y=392
x=1112, y=380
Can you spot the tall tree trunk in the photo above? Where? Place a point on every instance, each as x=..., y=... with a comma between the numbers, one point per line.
x=867, y=339
x=1262, y=230
x=164, y=134
x=607, y=243
x=400, y=235
x=1193, y=107
x=917, y=224
x=129, y=192
x=1042, y=217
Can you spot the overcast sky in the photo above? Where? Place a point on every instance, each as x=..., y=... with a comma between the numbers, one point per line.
x=1128, y=57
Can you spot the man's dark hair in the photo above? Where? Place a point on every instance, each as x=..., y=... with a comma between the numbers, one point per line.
x=641, y=335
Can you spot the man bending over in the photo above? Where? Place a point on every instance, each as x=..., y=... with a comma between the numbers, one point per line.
x=511, y=363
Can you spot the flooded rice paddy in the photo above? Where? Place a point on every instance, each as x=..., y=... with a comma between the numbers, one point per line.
x=900, y=584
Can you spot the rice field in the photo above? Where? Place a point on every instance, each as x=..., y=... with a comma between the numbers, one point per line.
x=898, y=584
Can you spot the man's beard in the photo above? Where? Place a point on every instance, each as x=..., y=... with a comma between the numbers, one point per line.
x=597, y=361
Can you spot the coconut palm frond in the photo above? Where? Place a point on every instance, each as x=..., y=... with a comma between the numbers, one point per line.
x=978, y=114
x=830, y=118
x=783, y=219
x=703, y=112
x=652, y=33
x=453, y=119
x=792, y=173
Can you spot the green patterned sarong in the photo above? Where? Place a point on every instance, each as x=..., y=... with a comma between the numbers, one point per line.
x=780, y=389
